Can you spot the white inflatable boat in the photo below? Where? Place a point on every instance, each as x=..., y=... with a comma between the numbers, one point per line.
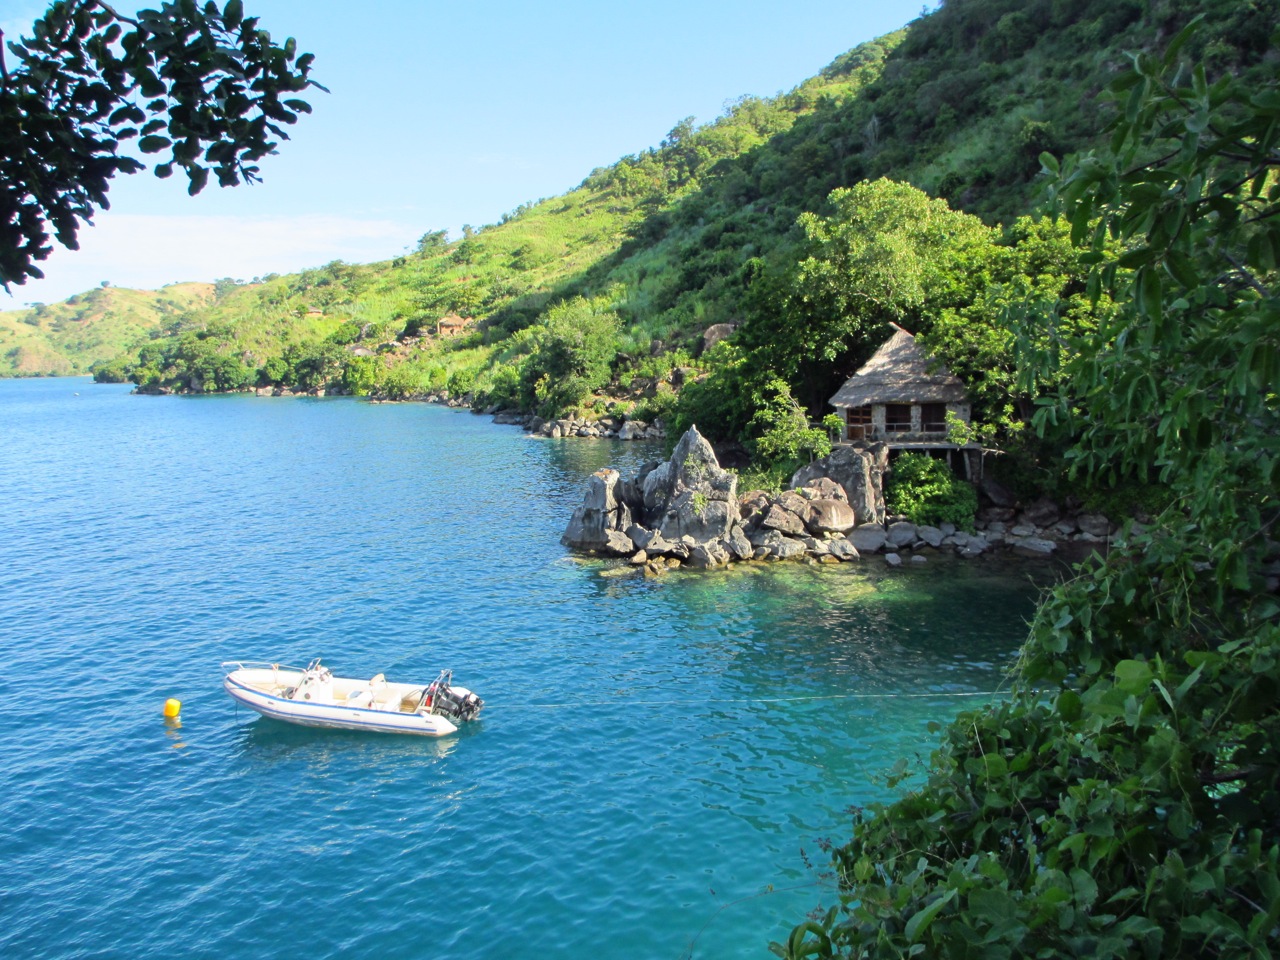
x=314, y=697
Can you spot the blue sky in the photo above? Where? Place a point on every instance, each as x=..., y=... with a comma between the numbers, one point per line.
x=449, y=113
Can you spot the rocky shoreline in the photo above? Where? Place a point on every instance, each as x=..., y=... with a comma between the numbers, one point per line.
x=612, y=426
x=687, y=511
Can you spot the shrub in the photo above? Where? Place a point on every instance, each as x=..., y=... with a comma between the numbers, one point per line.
x=925, y=491
x=785, y=440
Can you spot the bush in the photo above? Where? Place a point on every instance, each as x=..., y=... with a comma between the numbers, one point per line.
x=925, y=491
x=573, y=344
x=658, y=407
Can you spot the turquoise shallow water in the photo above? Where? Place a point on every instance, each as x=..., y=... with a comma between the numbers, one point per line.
x=644, y=782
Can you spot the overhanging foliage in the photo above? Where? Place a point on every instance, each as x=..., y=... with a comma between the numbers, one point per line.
x=205, y=87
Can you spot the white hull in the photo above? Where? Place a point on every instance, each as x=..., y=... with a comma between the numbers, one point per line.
x=315, y=698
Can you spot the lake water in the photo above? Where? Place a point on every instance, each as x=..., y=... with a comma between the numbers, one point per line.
x=656, y=765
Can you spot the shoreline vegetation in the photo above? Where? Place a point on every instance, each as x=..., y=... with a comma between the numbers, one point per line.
x=1075, y=208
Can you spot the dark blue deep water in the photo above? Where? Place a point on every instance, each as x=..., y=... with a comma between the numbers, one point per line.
x=657, y=764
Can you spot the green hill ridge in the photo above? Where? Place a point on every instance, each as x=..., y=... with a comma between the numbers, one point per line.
x=668, y=242
x=68, y=338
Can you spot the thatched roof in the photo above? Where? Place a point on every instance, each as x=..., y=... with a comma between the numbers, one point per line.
x=899, y=373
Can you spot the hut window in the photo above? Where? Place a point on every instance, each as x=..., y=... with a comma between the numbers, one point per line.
x=933, y=417
x=897, y=417
x=859, y=422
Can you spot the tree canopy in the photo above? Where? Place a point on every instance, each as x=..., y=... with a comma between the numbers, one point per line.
x=201, y=89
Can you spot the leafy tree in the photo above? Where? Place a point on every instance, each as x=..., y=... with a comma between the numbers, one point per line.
x=206, y=87
x=573, y=346
x=433, y=240
x=723, y=403
x=1125, y=800
x=784, y=438
x=887, y=253
x=1034, y=271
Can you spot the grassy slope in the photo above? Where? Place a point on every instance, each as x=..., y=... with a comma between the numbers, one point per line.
x=67, y=338
x=961, y=104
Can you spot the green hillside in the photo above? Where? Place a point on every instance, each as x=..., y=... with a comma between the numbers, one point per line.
x=705, y=228
x=67, y=338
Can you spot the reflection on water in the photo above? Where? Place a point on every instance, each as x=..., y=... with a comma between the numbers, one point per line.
x=264, y=740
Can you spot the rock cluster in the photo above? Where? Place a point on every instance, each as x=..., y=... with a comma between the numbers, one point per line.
x=300, y=392
x=614, y=427
x=687, y=511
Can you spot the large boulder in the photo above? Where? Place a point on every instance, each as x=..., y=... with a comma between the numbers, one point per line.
x=715, y=333
x=831, y=516
x=930, y=535
x=764, y=538
x=868, y=539
x=997, y=493
x=902, y=534
x=1032, y=546
x=738, y=544
x=1043, y=513
x=783, y=520
x=860, y=471
x=823, y=488
x=708, y=556
x=691, y=494
x=691, y=515
x=842, y=549
x=787, y=549
x=632, y=430
x=1094, y=524
x=602, y=513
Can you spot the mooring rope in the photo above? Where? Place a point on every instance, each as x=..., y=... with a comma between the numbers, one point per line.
x=489, y=705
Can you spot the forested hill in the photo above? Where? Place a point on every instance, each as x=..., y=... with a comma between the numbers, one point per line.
x=67, y=338
x=617, y=279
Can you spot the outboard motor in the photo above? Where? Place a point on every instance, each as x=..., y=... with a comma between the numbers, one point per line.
x=455, y=704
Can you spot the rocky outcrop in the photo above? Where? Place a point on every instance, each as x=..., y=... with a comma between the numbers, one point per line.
x=610, y=427
x=599, y=523
x=687, y=511
x=860, y=473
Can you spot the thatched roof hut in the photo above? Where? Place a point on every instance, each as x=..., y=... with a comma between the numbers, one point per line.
x=899, y=373
x=897, y=398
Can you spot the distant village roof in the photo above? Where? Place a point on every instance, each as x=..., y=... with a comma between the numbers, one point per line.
x=452, y=325
x=899, y=373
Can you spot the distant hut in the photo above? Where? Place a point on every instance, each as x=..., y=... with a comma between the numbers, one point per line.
x=452, y=325
x=897, y=399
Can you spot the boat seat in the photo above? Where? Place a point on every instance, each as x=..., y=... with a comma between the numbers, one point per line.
x=360, y=698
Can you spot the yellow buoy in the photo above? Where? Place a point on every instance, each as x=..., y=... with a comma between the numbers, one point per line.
x=172, y=708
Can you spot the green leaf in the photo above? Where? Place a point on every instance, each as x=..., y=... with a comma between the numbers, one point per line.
x=1132, y=675
x=1138, y=257
x=1180, y=40
x=153, y=143
x=1069, y=705
x=921, y=919
x=1149, y=295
